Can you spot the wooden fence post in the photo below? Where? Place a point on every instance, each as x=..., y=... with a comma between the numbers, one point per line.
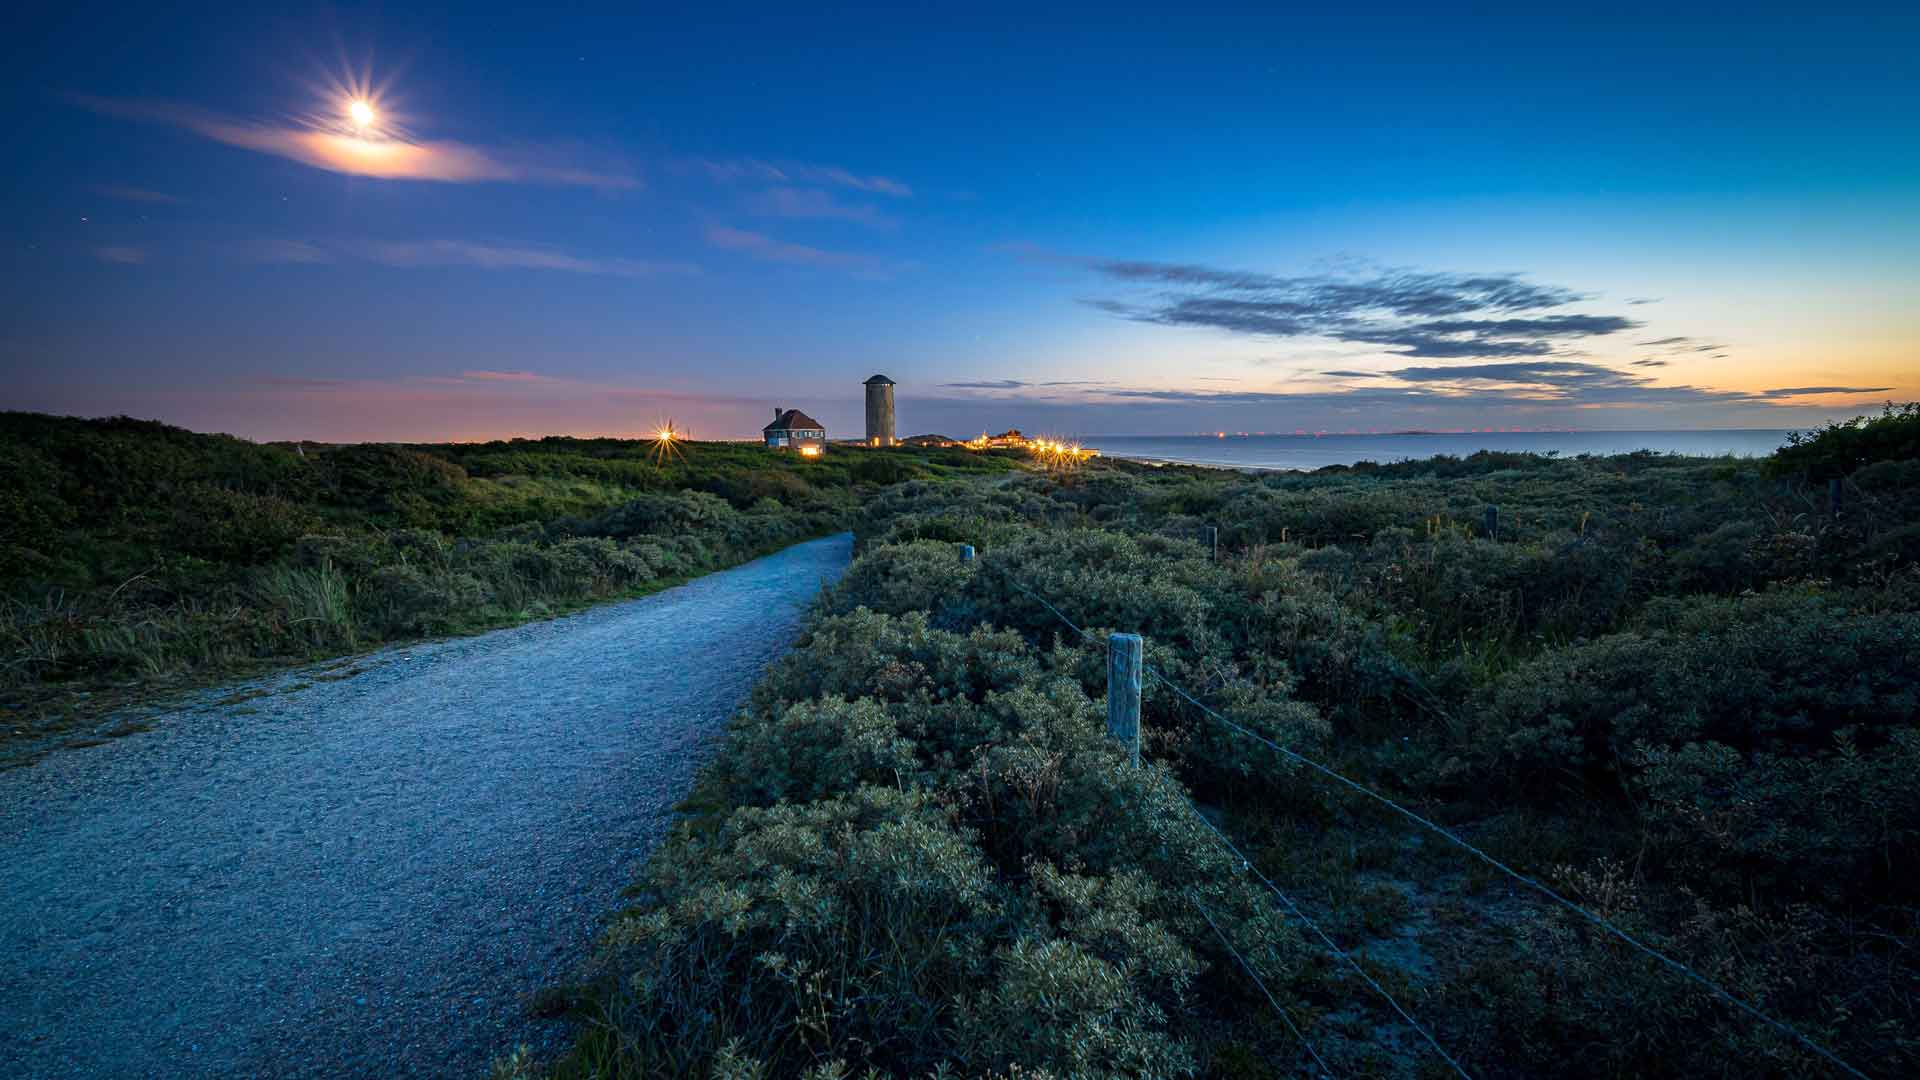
x=1493, y=523
x=1213, y=542
x=966, y=553
x=1123, y=692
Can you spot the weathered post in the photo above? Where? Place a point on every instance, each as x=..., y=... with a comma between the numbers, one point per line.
x=966, y=553
x=1213, y=542
x=1123, y=692
x=1833, y=496
x=1493, y=523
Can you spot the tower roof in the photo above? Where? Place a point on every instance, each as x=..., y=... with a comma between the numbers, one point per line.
x=878, y=380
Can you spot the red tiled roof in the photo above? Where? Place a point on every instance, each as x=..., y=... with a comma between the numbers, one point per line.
x=794, y=419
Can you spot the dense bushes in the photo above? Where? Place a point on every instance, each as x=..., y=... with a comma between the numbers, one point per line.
x=1679, y=691
x=132, y=551
x=344, y=590
x=1844, y=446
x=952, y=872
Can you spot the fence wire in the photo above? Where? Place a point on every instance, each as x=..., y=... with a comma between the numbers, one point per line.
x=1292, y=908
x=1453, y=838
x=1257, y=981
x=1446, y=834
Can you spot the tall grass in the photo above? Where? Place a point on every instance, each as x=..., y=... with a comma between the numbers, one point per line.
x=316, y=602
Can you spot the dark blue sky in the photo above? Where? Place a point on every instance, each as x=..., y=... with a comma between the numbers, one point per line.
x=1087, y=222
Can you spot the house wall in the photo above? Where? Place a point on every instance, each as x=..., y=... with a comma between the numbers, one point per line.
x=796, y=438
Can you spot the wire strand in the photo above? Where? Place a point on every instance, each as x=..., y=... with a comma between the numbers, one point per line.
x=1449, y=835
x=1049, y=607
x=1284, y=899
x=1255, y=976
x=1294, y=909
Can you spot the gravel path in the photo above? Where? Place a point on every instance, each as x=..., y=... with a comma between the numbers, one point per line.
x=368, y=875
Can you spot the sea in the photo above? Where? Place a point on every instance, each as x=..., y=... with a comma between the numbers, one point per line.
x=1306, y=452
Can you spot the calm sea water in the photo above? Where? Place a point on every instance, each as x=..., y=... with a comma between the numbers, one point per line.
x=1316, y=451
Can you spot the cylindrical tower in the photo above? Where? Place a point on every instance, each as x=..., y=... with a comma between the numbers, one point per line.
x=880, y=411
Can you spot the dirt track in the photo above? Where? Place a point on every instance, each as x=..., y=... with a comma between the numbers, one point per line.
x=361, y=875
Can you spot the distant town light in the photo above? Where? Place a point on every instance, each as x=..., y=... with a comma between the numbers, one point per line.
x=667, y=441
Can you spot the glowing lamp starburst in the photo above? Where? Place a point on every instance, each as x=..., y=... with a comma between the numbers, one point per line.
x=666, y=443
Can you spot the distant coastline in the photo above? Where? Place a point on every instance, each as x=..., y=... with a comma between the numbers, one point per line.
x=1294, y=453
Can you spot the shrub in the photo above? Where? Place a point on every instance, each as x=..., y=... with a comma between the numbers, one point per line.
x=920, y=575
x=1055, y=932
x=813, y=749
x=401, y=600
x=235, y=527
x=1844, y=446
x=1842, y=824
x=1781, y=674
x=795, y=931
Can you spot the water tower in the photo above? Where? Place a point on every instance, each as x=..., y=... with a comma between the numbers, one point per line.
x=880, y=411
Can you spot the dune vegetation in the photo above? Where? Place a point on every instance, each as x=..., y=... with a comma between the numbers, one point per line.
x=1683, y=693
x=1680, y=692
x=137, y=557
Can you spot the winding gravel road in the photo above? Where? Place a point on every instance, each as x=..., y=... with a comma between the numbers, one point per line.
x=369, y=874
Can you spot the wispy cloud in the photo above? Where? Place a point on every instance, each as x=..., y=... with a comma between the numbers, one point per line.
x=133, y=194
x=480, y=380
x=817, y=205
x=1681, y=345
x=477, y=255
x=1527, y=384
x=1423, y=314
x=509, y=377
x=382, y=158
x=120, y=255
x=279, y=250
x=1810, y=391
x=768, y=249
x=299, y=382
x=755, y=170
x=1023, y=384
x=498, y=257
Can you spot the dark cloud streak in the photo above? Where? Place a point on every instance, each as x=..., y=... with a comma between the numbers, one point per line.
x=1413, y=313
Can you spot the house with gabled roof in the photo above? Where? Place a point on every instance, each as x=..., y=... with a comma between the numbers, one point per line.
x=794, y=430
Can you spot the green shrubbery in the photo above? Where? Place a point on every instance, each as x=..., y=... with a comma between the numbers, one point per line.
x=1782, y=673
x=1685, y=693
x=132, y=552
x=949, y=871
x=1842, y=447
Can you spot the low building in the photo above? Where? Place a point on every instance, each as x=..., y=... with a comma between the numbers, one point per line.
x=794, y=430
x=1010, y=439
x=929, y=441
